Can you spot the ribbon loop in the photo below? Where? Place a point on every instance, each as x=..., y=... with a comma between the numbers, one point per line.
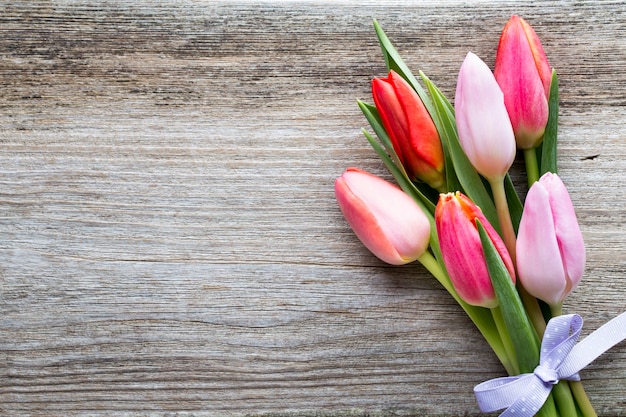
x=561, y=358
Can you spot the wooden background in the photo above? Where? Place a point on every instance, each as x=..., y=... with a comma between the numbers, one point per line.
x=169, y=240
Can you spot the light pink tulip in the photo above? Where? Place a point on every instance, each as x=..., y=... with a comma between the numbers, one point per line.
x=485, y=131
x=550, y=247
x=388, y=222
x=524, y=75
x=462, y=251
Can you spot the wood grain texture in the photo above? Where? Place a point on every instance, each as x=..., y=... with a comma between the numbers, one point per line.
x=170, y=244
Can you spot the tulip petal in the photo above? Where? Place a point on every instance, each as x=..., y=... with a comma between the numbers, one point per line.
x=423, y=146
x=539, y=263
x=517, y=74
x=410, y=128
x=364, y=224
x=473, y=212
x=485, y=131
x=541, y=60
x=462, y=253
x=388, y=222
x=567, y=230
x=391, y=113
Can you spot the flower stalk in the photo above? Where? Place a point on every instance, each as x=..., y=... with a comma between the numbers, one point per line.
x=532, y=166
x=504, y=216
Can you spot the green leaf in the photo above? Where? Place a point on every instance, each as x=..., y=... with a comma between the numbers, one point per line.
x=446, y=126
x=371, y=114
x=515, y=204
x=548, y=146
x=521, y=332
x=465, y=177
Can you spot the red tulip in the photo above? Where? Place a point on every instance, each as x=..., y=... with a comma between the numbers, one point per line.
x=410, y=128
x=550, y=247
x=388, y=222
x=463, y=256
x=524, y=75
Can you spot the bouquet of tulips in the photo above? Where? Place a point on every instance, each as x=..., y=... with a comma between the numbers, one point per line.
x=508, y=264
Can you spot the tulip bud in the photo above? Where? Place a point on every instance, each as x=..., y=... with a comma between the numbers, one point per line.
x=410, y=128
x=485, y=131
x=388, y=222
x=524, y=75
x=462, y=251
x=550, y=247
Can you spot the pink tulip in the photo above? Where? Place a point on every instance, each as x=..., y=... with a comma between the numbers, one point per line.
x=410, y=128
x=524, y=75
x=550, y=247
x=455, y=217
x=485, y=131
x=388, y=222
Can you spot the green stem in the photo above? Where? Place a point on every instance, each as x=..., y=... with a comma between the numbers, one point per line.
x=562, y=391
x=428, y=260
x=532, y=166
x=581, y=399
x=564, y=399
x=478, y=315
x=556, y=309
x=504, y=217
x=575, y=387
x=496, y=312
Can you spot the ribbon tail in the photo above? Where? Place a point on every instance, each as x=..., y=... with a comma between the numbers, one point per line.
x=500, y=393
x=594, y=345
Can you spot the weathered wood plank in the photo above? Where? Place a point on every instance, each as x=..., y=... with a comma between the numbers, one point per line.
x=170, y=241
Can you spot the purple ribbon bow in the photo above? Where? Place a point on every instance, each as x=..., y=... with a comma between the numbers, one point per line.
x=561, y=358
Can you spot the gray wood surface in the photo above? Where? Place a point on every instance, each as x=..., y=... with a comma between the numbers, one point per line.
x=169, y=240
